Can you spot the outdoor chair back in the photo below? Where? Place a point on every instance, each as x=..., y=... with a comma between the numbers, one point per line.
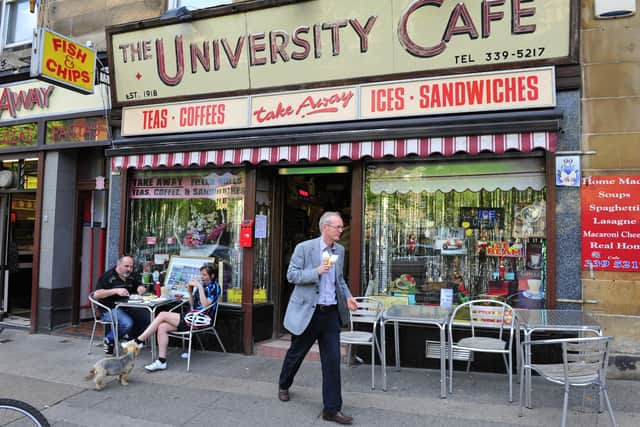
x=200, y=322
x=584, y=363
x=98, y=309
x=490, y=316
x=369, y=312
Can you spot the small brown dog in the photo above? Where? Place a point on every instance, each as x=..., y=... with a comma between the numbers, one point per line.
x=120, y=366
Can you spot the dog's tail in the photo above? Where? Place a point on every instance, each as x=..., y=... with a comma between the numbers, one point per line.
x=92, y=374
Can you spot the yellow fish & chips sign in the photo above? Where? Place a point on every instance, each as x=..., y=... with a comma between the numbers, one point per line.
x=62, y=61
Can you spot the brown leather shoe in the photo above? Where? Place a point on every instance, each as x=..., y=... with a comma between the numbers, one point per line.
x=283, y=395
x=338, y=417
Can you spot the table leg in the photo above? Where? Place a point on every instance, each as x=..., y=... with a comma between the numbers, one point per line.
x=443, y=368
x=384, y=356
x=527, y=361
x=518, y=355
x=396, y=344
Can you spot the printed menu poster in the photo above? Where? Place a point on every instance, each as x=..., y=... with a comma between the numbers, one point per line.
x=611, y=223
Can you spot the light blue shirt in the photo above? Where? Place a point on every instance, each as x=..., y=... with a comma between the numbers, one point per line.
x=327, y=280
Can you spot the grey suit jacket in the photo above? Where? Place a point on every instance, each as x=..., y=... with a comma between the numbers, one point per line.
x=302, y=273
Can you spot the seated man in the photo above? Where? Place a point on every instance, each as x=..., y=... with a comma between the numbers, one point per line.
x=114, y=285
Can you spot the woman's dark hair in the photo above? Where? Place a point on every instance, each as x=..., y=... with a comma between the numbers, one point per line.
x=211, y=269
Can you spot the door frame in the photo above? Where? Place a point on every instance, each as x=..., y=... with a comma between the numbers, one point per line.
x=355, y=243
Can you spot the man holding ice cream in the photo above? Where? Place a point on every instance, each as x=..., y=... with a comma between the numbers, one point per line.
x=316, y=311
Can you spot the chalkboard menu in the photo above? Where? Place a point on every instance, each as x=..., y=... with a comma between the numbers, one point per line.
x=476, y=218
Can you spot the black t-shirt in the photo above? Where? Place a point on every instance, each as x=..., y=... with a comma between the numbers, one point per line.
x=112, y=280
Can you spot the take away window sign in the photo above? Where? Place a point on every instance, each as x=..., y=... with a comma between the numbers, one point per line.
x=62, y=61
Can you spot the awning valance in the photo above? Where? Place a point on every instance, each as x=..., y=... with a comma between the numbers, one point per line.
x=398, y=148
x=468, y=175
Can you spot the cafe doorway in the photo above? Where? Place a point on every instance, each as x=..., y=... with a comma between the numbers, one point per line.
x=306, y=197
x=17, y=224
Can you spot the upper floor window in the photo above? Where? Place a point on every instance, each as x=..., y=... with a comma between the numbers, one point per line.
x=196, y=4
x=16, y=23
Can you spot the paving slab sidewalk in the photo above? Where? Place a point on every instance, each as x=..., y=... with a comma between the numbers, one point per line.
x=238, y=390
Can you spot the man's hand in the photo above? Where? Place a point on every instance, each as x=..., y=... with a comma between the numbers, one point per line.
x=141, y=289
x=323, y=268
x=352, y=304
x=123, y=292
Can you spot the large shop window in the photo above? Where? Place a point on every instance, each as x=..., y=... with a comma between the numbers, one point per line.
x=193, y=213
x=476, y=227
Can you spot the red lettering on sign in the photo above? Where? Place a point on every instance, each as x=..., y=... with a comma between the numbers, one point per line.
x=154, y=119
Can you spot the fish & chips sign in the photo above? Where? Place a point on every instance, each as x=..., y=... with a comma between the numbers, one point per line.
x=62, y=61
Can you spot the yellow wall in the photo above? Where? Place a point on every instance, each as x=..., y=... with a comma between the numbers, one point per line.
x=610, y=57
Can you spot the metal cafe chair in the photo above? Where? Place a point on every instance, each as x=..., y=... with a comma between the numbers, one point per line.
x=484, y=314
x=584, y=363
x=98, y=309
x=200, y=323
x=369, y=312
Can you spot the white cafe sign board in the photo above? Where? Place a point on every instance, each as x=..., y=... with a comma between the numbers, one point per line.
x=509, y=90
x=320, y=41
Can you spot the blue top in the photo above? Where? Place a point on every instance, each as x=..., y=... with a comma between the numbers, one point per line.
x=328, y=280
x=212, y=291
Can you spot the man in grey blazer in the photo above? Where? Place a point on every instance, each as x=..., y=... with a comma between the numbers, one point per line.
x=316, y=311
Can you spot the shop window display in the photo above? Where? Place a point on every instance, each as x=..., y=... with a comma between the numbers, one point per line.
x=477, y=228
x=193, y=213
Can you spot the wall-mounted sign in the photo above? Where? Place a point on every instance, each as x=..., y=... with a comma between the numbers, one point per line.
x=60, y=60
x=611, y=223
x=568, y=171
x=180, y=186
x=34, y=99
x=530, y=88
x=332, y=40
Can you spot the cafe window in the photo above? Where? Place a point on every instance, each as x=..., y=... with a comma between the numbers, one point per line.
x=19, y=174
x=23, y=135
x=83, y=129
x=193, y=213
x=475, y=227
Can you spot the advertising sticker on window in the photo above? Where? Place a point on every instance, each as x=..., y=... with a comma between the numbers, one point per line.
x=611, y=223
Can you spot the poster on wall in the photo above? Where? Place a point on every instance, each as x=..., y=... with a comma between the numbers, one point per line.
x=183, y=269
x=529, y=219
x=611, y=223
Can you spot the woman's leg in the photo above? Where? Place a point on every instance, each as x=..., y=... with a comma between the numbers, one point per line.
x=164, y=317
x=163, y=337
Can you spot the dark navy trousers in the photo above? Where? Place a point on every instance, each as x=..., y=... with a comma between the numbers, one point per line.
x=324, y=327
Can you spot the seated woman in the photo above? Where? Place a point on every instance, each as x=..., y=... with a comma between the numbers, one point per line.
x=201, y=294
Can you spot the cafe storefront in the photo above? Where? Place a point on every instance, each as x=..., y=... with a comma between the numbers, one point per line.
x=441, y=161
x=52, y=211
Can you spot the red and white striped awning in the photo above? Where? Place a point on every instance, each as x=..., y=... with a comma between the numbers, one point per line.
x=398, y=148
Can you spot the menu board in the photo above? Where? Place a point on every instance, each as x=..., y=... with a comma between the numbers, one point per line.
x=611, y=223
x=182, y=269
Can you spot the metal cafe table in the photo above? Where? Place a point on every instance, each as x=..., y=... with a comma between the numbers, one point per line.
x=417, y=315
x=530, y=321
x=152, y=304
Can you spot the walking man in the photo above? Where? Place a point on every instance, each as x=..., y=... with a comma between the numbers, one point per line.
x=316, y=310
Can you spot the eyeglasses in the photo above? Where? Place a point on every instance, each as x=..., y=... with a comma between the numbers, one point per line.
x=337, y=227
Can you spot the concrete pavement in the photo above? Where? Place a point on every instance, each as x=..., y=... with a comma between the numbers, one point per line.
x=237, y=390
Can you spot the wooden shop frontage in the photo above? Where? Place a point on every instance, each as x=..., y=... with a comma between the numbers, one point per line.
x=431, y=129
